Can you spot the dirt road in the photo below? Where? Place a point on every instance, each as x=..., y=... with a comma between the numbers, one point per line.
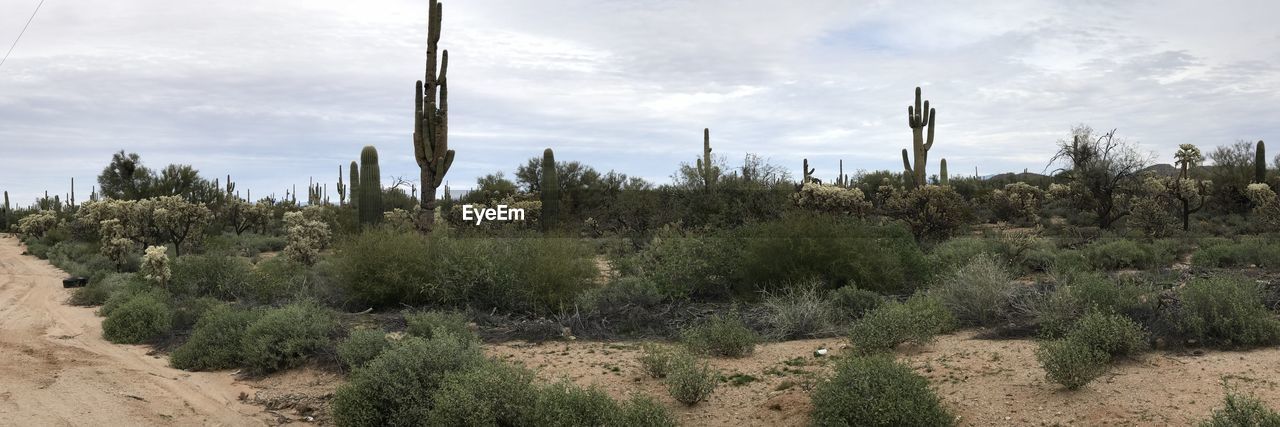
x=55, y=368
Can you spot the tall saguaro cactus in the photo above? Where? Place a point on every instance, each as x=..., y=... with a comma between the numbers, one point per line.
x=942, y=173
x=6, y=212
x=1260, y=163
x=550, y=191
x=370, y=207
x=342, y=189
x=431, y=122
x=806, y=172
x=355, y=185
x=706, y=167
x=919, y=118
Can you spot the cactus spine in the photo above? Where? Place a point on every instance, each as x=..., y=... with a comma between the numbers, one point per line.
x=1260, y=163
x=919, y=118
x=370, y=206
x=942, y=174
x=706, y=167
x=550, y=191
x=431, y=122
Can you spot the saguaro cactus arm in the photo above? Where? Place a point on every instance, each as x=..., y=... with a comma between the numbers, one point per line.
x=431, y=120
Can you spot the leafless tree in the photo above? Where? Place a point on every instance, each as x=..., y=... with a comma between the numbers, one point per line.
x=1102, y=171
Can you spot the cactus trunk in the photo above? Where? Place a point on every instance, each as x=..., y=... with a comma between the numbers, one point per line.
x=942, y=173
x=550, y=191
x=370, y=207
x=919, y=117
x=431, y=121
x=1260, y=164
x=706, y=167
x=355, y=185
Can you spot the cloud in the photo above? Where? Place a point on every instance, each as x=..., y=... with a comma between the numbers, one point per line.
x=276, y=92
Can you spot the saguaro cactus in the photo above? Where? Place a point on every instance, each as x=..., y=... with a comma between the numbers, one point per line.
x=1260, y=164
x=919, y=117
x=806, y=172
x=550, y=191
x=370, y=189
x=942, y=173
x=6, y=212
x=431, y=122
x=355, y=185
x=342, y=189
x=231, y=186
x=706, y=167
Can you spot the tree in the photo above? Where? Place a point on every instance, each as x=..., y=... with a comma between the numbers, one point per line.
x=1102, y=172
x=178, y=221
x=1231, y=172
x=125, y=178
x=1188, y=193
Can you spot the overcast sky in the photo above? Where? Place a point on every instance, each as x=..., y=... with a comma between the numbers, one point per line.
x=276, y=92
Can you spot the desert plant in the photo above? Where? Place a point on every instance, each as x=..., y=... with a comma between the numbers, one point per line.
x=155, y=266
x=1113, y=334
x=1018, y=202
x=849, y=302
x=831, y=199
x=1260, y=163
x=362, y=346
x=216, y=341
x=396, y=388
x=919, y=118
x=932, y=212
x=306, y=237
x=99, y=291
x=657, y=361
x=491, y=394
x=691, y=381
x=550, y=194
x=801, y=311
x=978, y=293
x=1242, y=410
x=286, y=337
x=370, y=205
x=876, y=391
x=431, y=121
x=142, y=318
x=708, y=172
x=428, y=324
x=721, y=335
x=218, y=276
x=1227, y=312
x=1071, y=363
x=915, y=321
x=1266, y=204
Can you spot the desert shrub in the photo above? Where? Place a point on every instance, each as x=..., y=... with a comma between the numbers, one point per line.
x=216, y=341
x=1071, y=363
x=551, y=271
x=490, y=394
x=428, y=324
x=876, y=391
x=188, y=311
x=657, y=361
x=99, y=291
x=306, y=236
x=1018, y=202
x=691, y=381
x=1242, y=410
x=126, y=291
x=798, y=312
x=1262, y=252
x=1114, y=254
x=725, y=336
x=286, y=337
x=217, y=276
x=143, y=317
x=955, y=253
x=565, y=404
x=836, y=251
x=621, y=293
x=155, y=265
x=978, y=293
x=1113, y=334
x=362, y=346
x=1083, y=292
x=1227, y=312
x=249, y=245
x=643, y=411
x=383, y=268
x=681, y=266
x=831, y=199
x=915, y=321
x=850, y=302
x=396, y=387
x=278, y=279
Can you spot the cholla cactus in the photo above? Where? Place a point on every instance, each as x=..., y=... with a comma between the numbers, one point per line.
x=155, y=265
x=37, y=224
x=1266, y=204
x=1018, y=202
x=179, y=221
x=831, y=199
x=115, y=246
x=401, y=219
x=306, y=237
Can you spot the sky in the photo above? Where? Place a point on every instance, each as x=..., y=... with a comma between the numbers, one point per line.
x=275, y=93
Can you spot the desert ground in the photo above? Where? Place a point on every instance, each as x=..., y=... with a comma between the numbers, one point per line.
x=57, y=370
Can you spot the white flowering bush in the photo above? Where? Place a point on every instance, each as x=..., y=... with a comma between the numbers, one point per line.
x=115, y=246
x=155, y=265
x=1266, y=204
x=831, y=199
x=37, y=224
x=306, y=237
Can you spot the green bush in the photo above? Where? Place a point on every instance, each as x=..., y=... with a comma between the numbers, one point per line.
x=427, y=324
x=725, y=336
x=99, y=291
x=849, y=302
x=383, y=267
x=839, y=252
x=691, y=381
x=1113, y=334
x=1115, y=254
x=1227, y=312
x=955, y=253
x=1085, y=292
x=1242, y=410
x=490, y=394
x=144, y=317
x=565, y=404
x=361, y=347
x=396, y=387
x=978, y=293
x=623, y=292
x=221, y=277
x=657, y=360
x=286, y=337
x=1071, y=363
x=279, y=279
x=216, y=341
x=798, y=312
x=876, y=391
x=915, y=321
x=552, y=271
x=642, y=411
x=682, y=267
x=126, y=290
x=1260, y=251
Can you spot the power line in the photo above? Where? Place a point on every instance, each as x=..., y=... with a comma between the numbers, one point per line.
x=24, y=31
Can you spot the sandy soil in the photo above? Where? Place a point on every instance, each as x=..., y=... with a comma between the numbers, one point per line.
x=984, y=382
x=55, y=368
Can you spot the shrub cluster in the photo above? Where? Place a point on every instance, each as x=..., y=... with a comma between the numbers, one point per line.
x=799, y=312
x=978, y=293
x=362, y=346
x=725, y=336
x=876, y=391
x=915, y=321
x=216, y=342
x=1085, y=351
x=286, y=337
x=1227, y=312
x=140, y=317
x=849, y=302
x=1242, y=410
